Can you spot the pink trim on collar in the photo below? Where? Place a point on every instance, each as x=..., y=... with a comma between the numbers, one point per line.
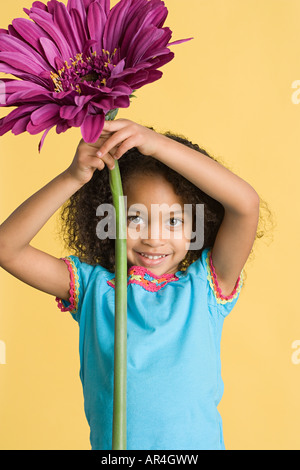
x=144, y=277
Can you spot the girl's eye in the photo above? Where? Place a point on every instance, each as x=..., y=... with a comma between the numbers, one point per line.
x=136, y=219
x=133, y=218
x=175, y=222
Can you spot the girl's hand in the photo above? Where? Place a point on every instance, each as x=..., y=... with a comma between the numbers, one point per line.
x=116, y=139
x=121, y=135
x=86, y=161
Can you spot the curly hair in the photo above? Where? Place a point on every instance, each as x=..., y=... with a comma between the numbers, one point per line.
x=79, y=220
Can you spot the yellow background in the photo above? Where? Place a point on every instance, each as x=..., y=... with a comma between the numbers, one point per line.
x=229, y=90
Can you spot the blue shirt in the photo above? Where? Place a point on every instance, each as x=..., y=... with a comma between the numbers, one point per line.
x=174, y=328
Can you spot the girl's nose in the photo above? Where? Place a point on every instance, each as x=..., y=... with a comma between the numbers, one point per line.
x=154, y=235
x=153, y=243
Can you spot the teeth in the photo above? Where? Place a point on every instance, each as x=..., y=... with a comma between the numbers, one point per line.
x=153, y=257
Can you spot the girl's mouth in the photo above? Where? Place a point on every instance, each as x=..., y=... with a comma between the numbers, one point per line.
x=151, y=260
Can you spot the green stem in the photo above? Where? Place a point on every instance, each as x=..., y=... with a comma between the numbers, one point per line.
x=119, y=437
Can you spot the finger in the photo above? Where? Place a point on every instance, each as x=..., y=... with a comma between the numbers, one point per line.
x=108, y=160
x=114, y=126
x=127, y=145
x=99, y=142
x=114, y=141
x=94, y=162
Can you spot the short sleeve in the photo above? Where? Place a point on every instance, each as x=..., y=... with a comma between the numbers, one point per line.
x=79, y=275
x=204, y=268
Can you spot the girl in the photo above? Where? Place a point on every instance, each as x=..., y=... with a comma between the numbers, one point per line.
x=177, y=297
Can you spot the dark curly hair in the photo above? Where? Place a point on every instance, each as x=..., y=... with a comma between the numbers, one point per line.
x=79, y=220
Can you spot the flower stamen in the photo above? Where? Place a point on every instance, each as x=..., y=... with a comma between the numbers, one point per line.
x=94, y=69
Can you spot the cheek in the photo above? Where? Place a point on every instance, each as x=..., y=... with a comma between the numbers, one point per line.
x=133, y=236
x=188, y=229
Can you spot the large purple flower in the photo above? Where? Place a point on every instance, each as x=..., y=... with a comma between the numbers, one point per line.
x=77, y=64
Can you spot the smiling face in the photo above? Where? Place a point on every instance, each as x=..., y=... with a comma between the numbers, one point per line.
x=157, y=226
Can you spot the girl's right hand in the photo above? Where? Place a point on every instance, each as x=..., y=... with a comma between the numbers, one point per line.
x=86, y=161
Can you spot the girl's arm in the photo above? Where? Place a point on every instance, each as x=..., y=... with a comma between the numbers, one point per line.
x=32, y=266
x=237, y=232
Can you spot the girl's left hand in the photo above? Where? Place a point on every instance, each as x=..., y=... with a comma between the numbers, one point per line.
x=122, y=135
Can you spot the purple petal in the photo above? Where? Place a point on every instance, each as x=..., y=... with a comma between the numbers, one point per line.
x=51, y=6
x=96, y=20
x=21, y=62
x=69, y=112
x=119, y=68
x=14, y=86
x=59, y=63
x=87, y=45
x=104, y=103
x=139, y=6
x=17, y=99
x=78, y=6
x=21, y=111
x=133, y=30
x=20, y=125
x=18, y=91
x=45, y=21
x=24, y=76
x=105, y=4
x=30, y=31
x=44, y=114
x=78, y=119
x=43, y=138
x=122, y=102
x=13, y=33
x=79, y=25
x=133, y=79
x=14, y=45
x=63, y=21
x=50, y=51
x=92, y=127
x=33, y=130
x=40, y=5
x=179, y=42
x=153, y=76
x=118, y=89
x=154, y=54
x=148, y=35
x=114, y=27
x=147, y=14
x=114, y=78
x=121, y=89
x=158, y=16
x=142, y=78
x=7, y=123
x=62, y=127
x=138, y=9
x=160, y=42
x=82, y=100
x=162, y=60
x=61, y=97
x=88, y=89
x=87, y=3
